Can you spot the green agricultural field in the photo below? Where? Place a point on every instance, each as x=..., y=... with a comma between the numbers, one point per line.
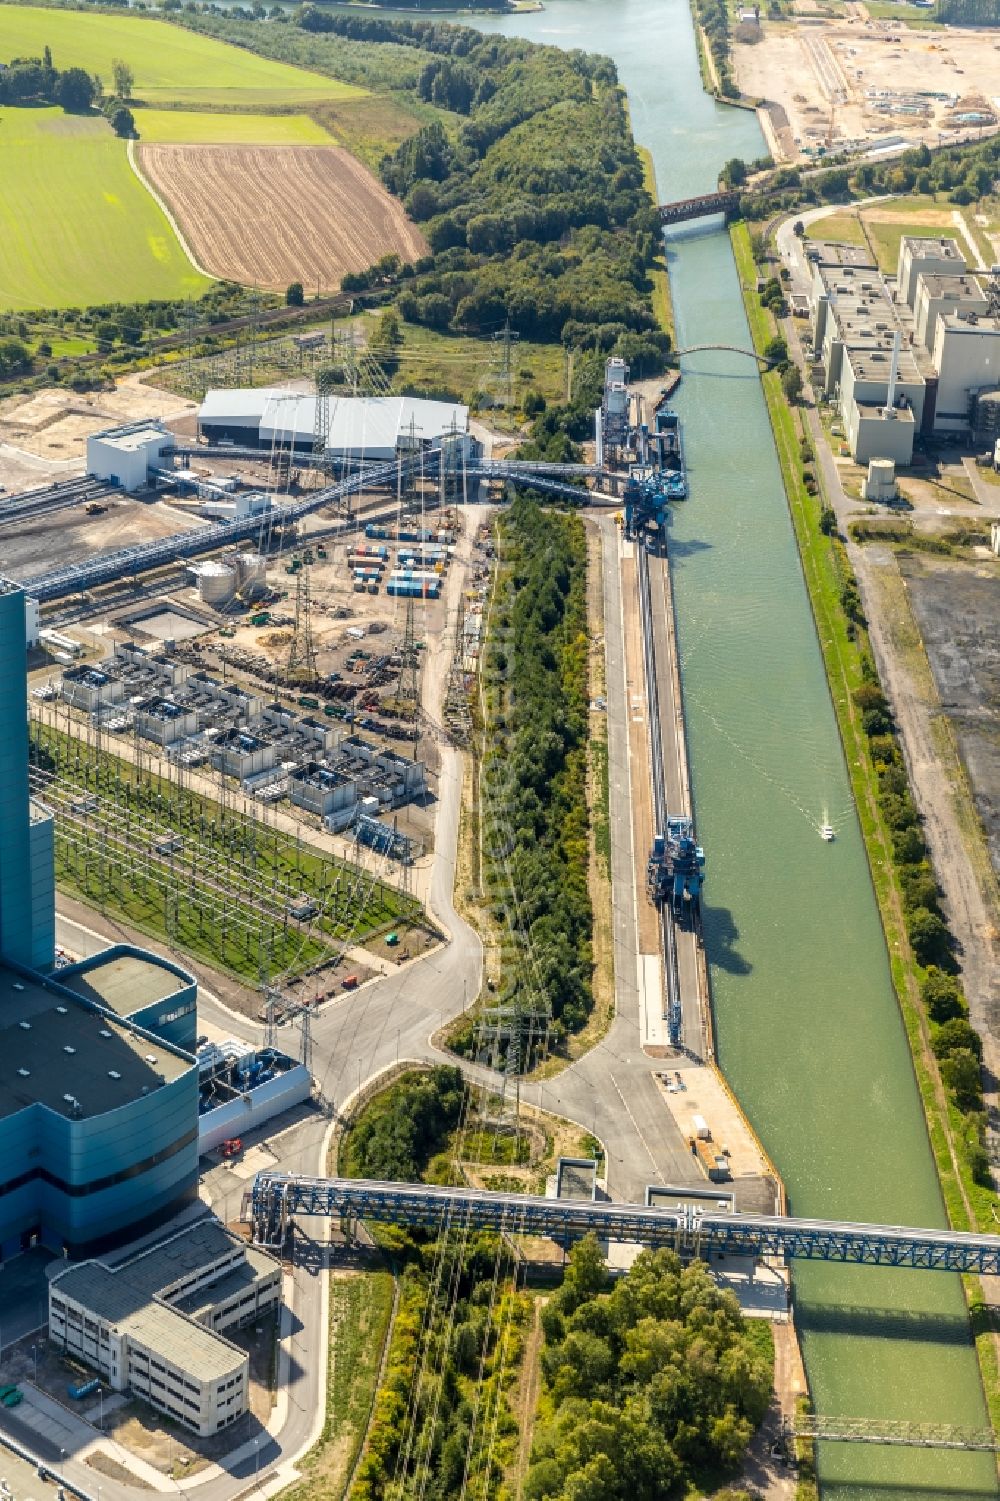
x=169, y=64
x=76, y=224
x=171, y=127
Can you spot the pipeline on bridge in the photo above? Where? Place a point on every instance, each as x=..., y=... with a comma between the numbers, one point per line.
x=277, y=1196
x=894, y=1433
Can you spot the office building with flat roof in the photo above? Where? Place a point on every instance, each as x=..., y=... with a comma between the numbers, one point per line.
x=153, y=1324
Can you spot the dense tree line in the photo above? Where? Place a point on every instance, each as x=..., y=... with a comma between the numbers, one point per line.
x=955, y=1043
x=442, y=1426
x=525, y=180
x=35, y=80
x=962, y=174
x=969, y=12
x=713, y=17
x=647, y=1387
x=398, y=1133
x=441, y=1420
x=535, y=208
x=534, y=801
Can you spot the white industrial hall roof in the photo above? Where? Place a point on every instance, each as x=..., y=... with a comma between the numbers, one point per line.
x=360, y=426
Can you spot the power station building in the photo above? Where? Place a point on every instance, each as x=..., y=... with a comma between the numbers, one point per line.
x=98, y=1080
x=357, y=427
x=909, y=356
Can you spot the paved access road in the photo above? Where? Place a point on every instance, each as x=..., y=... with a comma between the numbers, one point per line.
x=611, y=1091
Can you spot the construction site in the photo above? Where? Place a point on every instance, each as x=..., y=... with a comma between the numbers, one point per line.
x=864, y=84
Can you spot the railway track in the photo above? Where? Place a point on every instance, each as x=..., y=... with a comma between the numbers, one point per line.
x=668, y=937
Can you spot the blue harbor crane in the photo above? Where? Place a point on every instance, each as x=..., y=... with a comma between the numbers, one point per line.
x=675, y=873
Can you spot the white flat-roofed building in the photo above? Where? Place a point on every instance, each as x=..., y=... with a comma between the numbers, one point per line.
x=90, y=688
x=865, y=379
x=379, y=427
x=234, y=415
x=164, y=721
x=151, y=1324
x=967, y=359
x=874, y=432
x=124, y=457
x=322, y=791
x=937, y=295
x=32, y=622
x=357, y=427
x=289, y=420
x=926, y=255
x=238, y=753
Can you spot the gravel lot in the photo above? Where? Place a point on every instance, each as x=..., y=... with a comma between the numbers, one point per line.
x=957, y=609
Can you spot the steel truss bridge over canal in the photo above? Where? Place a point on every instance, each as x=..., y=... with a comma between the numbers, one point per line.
x=277, y=1196
x=564, y=480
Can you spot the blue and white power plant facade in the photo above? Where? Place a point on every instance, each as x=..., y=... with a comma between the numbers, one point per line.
x=98, y=1079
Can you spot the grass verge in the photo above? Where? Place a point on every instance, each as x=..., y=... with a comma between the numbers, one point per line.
x=361, y=1307
x=192, y=127
x=169, y=64
x=842, y=651
x=663, y=306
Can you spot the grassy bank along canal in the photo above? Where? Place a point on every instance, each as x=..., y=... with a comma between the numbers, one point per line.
x=808, y=1026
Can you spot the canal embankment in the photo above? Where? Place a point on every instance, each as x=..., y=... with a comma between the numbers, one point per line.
x=808, y=1029
x=849, y=661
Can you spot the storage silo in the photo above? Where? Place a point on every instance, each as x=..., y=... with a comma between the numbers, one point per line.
x=216, y=582
x=251, y=574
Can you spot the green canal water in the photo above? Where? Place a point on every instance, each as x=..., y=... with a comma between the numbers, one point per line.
x=808, y=1026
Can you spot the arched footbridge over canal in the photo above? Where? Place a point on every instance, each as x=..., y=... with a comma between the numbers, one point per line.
x=762, y=359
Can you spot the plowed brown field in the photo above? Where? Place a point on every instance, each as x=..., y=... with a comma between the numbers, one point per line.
x=270, y=215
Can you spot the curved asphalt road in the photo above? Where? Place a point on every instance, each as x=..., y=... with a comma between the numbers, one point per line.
x=610, y=1092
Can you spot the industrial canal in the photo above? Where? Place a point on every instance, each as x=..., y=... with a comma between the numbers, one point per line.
x=808, y=1027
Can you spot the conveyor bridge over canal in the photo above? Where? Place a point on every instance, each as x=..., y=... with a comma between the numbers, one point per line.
x=894, y=1433
x=277, y=1196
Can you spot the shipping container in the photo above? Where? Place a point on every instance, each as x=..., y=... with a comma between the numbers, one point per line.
x=714, y=1164
x=414, y=588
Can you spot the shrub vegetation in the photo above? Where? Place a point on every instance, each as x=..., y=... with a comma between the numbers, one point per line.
x=648, y=1387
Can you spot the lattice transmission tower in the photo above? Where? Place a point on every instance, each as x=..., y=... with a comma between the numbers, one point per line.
x=302, y=651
